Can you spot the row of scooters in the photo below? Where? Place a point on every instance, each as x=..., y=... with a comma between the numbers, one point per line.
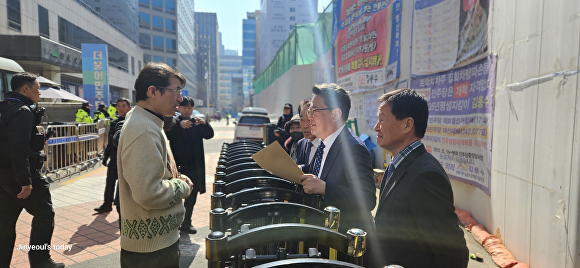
x=261, y=220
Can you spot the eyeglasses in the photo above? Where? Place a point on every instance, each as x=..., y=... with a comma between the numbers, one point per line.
x=310, y=112
x=175, y=91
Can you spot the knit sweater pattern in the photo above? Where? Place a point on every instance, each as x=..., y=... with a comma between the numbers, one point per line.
x=150, y=192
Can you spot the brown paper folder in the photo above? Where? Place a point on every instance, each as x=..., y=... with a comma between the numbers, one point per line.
x=276, y=161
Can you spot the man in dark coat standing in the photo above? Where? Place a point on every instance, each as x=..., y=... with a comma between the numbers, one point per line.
x=186, y=141
x=124, y=106
x=416, y=225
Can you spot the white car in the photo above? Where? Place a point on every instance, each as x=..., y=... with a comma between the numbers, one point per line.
x=196, y=113
x=250, y=127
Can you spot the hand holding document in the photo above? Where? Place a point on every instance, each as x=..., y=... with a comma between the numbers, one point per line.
x=276, y=161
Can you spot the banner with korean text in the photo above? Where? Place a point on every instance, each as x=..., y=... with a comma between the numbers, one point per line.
x=95, y=74
x=366, y=38
x=460, y=120
x=447, y=34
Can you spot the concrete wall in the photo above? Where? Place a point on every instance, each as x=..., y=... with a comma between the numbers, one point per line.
x=293, y=87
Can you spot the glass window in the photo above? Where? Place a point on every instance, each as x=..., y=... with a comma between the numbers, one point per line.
x=146, y=59
x=145, y=40
x=157, y=23
x=144, y=20
x=43, y=21
x=132, y=65
x=73, y=35
x=254, y=120
x=291, y=27
x=170, y=26
x=171, y=62
x=170, y=6
x=157, y=4
x=292, y=18
x=292, y=9
x=14, y=14
x=139, y=65
x=170, y=45
x=158, y=43
x=158, y=59
x=144, y=3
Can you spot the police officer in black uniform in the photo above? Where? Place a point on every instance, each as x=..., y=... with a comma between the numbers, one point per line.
x=21, y=185
x=123, y=107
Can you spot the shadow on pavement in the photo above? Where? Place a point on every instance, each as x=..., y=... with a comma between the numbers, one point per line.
x=98, y=232
x=188, y=250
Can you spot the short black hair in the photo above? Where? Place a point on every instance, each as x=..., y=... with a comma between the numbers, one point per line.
x=21, y=79
x=187, y=101
x=302, y=104
x=155, y=74
x=406, y=103
x=334, y=97
x=121, y=99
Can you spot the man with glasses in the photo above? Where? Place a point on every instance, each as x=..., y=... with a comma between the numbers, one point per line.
x=151, y=188
x=341, y=168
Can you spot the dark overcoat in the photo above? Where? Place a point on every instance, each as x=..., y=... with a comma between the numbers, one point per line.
x=187, y=148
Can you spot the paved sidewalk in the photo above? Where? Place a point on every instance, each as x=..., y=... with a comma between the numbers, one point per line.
x=85, y=239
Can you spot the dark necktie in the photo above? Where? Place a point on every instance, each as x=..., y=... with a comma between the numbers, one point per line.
x=308, y=149
x=317, y=159
x=390, y=171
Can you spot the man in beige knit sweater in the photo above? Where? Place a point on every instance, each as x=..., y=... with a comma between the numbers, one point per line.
x=151, y=189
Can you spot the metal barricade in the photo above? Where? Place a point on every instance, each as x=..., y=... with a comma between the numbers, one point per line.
x=60, y=149
x=103, y=132
x=88, y=138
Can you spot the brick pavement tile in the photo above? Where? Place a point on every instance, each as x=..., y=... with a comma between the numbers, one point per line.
x=105, y=251
x=81, y=257
x=21, y=264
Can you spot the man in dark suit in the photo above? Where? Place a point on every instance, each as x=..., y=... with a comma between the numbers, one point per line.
x=416, y=225
x=307, y=146
x=341, y=169
x=186, y=141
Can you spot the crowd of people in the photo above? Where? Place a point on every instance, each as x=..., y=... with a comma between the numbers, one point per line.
x=158, y=161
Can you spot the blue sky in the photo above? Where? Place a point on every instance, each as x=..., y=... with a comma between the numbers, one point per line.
x=230, y=14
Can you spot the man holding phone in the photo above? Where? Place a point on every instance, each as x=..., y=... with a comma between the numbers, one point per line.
x=186, y=141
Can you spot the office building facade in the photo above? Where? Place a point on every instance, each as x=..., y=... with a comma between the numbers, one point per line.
x=248, y=53
x=207, y=33
x=230, y=81
x=45, y=36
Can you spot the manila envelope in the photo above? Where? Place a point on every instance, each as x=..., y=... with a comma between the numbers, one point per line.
x=276, y=161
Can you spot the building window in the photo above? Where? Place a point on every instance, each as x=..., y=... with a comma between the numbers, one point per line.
x=170, y=6
x=171, y=45
x=145, y=41
x=43, y=21
x=132, y=65
x=97, y=9
x=157, y=5
x=157, y=23
x=158, y=59
x=292, y=9
x=146, y=58
x=291, y=27
x=170, y=26
x=144, y=3
x=171, y=62
x=139, y=65
x=158, y=43
x=292, y=18
x=14, y=14
x=144, y=20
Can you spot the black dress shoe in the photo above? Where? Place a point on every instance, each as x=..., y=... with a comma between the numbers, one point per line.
x=189, y=230
x=103, y=209
x=49, y=264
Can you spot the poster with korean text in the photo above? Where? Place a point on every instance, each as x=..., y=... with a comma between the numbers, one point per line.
x=366, y=36
x=460, y=120
x=95, y=75
x=448, y=33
